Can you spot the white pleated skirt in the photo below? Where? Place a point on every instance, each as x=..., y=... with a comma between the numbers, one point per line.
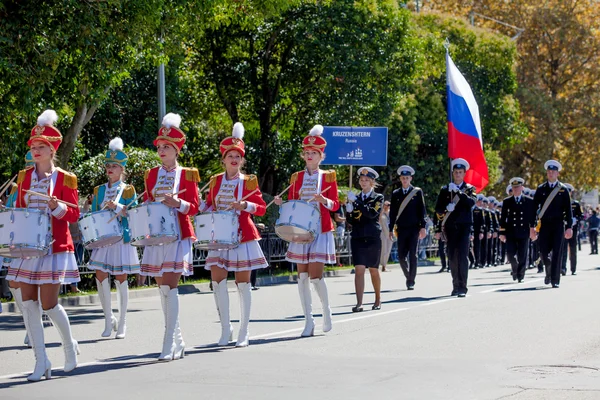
x=175, y=257
x=246, y=257
x=321, y=250
x=117, y=259
x=54, y=268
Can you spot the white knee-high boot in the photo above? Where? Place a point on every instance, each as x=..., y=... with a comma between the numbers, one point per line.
x=306, y=301
x=70, y=346
x=171, y=314
x=245, y=305
x=321, y=289
x=110, y=321
x=222, y=302
x=179, y=351
x=16, y=293
x=33, y=323
x=123, y=299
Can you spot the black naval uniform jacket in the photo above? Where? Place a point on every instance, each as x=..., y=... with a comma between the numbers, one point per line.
x=487, y=218
x=364, y=218
x=577, y=214
x=559, y=209
x=479, y=221
x=516, y=218
x=413, y=216
x=463, y=211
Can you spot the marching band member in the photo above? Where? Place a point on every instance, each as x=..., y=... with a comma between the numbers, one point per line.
x=314, y=184
x=362, y=213
x=121, y=258
x=40, y=278
x=168, y=262
x=14, y=286
x=235, y=190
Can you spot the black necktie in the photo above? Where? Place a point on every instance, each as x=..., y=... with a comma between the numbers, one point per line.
x=405, y=191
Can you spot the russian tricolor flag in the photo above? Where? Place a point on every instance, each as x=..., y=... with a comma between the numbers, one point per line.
x=464, y=127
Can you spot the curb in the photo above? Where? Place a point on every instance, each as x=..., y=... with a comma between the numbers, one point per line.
x=198, y=288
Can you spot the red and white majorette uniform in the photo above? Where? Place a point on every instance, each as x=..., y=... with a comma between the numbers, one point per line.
x=248, y=255
x=177, y=256
x=59, y=265
x=322, y=248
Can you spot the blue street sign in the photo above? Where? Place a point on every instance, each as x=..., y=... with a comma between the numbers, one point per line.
x=356, y=145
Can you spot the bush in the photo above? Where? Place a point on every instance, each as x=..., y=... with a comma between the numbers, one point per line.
x=90, y=173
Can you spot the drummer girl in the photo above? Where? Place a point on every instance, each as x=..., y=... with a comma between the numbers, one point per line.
x=45, y=274
x=120, y=258
x=233, y=190
x=168, y=262
x=314, y=184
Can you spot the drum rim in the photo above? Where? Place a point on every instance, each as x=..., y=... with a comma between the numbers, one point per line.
x=91, y=213
x=44, y=249
x=135, y=239
x=86, y=243
x=232, y=213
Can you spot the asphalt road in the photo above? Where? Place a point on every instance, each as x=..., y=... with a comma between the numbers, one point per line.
x=503, y=341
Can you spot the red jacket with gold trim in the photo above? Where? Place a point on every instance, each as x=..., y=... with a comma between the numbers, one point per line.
x=328, y=189
x=189, y=181
x=256, y=204
x=65, y=189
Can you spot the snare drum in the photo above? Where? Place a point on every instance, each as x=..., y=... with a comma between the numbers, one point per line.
x=298, y=222
x=217, y=230
x=153, y=224
x=24, y=233
x=97, y=232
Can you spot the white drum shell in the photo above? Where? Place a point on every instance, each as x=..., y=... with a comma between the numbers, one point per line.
x=153, y=224
x=24, y=233
x=298, y=222
x=217, y=230
x=97, y=232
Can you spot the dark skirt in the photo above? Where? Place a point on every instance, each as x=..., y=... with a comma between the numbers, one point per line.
x=366, y=251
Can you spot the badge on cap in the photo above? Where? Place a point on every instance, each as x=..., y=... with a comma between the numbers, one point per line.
x=368, y=172
x=406, y=170
x=552, y=165
x=460, y=163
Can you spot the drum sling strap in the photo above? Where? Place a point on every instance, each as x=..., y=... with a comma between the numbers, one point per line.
x=547, y=204
x=405, y=202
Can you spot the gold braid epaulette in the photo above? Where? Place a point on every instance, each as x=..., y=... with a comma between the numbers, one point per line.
x=330, y=176
x=192, y=175
x=21, y=177
x=128, y=192
x=69, y=179
x=146, y=174
x=294, y=178
x=251, y=182
x=213, y=181
x=14, y=188
x=96, y=189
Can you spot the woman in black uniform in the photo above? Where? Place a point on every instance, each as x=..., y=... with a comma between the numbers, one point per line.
x=362, y=212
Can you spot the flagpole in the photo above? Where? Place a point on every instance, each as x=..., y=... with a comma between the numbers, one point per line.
x=447, y=47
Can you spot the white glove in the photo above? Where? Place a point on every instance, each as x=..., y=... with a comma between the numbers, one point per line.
x=450, y=207
x=574, y=221
x=453, y=187
x=351, y=196
x=349, y=207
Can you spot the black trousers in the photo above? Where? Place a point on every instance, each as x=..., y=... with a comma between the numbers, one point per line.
x=517, y=250
x=550, y=239
x=477, y=249
x=458, y=253
x=533, y=252
x=482, y=256
x=408, y=240
x=594, y=241
x=442, y=252
x=570, y=247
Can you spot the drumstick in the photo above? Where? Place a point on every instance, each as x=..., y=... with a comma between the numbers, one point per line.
x=7, y=184
x=322, y=191
x=279, y=195
x=244, y=198
x=45, y=196
x=204, y=187
x=174, y=194
x=126, y=208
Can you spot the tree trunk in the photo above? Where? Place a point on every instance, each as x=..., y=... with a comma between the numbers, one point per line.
x=83, y=115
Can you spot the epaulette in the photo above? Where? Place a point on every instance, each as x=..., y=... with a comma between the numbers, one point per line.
x=251, y=182
x=213, y=180
x=192, y=175
x=128, y=192
x=96, y=189
x=69, y=179
x=294, y=178
x=330, y=176
x=146, y=174
x=21, y=177
x=14, y=188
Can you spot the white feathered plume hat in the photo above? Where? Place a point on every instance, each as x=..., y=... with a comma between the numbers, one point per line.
x=170, y=131
x=314, y=140
x=234, y=142
x=45, y=130
x=115, y=153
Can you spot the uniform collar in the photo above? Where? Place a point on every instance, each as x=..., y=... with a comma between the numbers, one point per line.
x=172, y=169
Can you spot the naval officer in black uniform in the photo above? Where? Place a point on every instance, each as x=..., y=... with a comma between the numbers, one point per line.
x=516, y=219
x=454, y=216
x=362, y=213
x=479, y=231
x=570, y=245
x=552, y=203
x=408, y=216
